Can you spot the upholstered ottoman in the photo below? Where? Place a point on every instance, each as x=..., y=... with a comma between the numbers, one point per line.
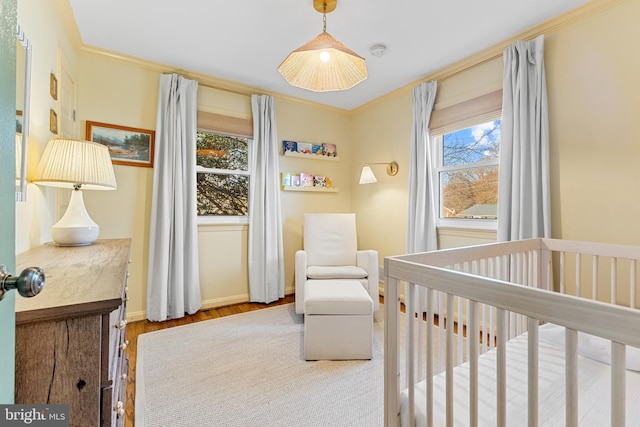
x=338, y=320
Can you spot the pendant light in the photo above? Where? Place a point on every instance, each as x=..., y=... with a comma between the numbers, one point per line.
x=324, y=64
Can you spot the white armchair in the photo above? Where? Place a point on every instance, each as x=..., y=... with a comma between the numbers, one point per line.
x=331, y=252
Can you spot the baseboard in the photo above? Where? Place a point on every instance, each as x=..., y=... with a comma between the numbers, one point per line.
x=136, y=316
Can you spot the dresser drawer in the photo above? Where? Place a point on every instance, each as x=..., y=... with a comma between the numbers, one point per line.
x=69, y=338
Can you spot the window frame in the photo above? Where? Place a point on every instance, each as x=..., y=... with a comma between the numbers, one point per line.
x=437, y=142
x=224, y=219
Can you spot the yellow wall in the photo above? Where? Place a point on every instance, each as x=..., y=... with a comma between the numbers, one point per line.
x=43, y=26
x=382, y=133
x=593, y=101
x=594, y=104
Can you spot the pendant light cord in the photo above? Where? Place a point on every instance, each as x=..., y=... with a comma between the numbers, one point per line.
x=324, y=18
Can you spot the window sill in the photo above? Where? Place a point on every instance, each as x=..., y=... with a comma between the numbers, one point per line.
x=205, y=221
x=467, y=232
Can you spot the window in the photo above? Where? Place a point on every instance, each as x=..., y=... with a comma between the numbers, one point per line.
x=467, y=170
x=222, y=166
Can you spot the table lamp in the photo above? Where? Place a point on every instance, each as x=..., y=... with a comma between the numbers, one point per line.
x=80, y=165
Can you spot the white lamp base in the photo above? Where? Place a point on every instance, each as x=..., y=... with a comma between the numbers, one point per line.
x=75, y=228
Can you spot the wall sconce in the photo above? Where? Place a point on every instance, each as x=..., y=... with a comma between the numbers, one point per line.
x=367, y=176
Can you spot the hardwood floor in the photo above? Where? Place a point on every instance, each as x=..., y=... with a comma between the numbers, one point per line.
x=136, y=328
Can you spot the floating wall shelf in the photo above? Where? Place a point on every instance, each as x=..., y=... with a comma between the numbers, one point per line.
x=310, y=156
x=310, y=189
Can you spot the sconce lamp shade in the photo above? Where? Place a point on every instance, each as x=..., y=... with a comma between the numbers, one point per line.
x=323, y=65
x=70, y=163
x=367, y=176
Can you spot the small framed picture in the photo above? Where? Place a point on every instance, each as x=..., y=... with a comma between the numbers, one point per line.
x=19, y=121
x=127, y=146
x=53, y=122
x=53, y=86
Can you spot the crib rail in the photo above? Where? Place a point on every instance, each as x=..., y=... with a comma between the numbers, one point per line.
x=497, y=291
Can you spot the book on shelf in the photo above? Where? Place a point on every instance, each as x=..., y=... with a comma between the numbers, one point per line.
x=289, y=146
x=306, y=180
x=316, y=149
x=304, y=148
x=319, y=181
x=329, y=150
x=285, y=179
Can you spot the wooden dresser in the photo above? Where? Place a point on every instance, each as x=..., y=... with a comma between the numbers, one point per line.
x=70, y=339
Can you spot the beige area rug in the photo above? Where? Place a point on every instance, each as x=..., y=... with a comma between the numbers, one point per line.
x=248, y=370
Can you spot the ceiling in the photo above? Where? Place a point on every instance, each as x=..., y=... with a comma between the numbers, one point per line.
x=244, y=41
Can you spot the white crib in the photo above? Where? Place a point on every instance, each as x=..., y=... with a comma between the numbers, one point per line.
x=539, y=310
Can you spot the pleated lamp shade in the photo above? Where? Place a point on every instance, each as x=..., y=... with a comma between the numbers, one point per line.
x=323, y=65
x=69, y=162
x=81, y=165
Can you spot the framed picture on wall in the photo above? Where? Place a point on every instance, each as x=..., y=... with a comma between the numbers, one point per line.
x=127, y=146
x=19, y=121
x=53, y=121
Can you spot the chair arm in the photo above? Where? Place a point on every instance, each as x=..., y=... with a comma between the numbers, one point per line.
x=300, y=278
x=368, y=260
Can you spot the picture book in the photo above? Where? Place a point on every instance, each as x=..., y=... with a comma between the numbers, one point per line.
x=306, y=180
x=304, y=148
x=329, y=150
x=289, y=146
x=286, y=179
x=316, y=149
x=319, y=181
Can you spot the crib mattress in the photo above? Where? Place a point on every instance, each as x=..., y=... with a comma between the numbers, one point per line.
x=593, y=384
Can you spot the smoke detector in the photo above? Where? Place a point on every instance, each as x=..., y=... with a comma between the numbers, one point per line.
x=378, y=49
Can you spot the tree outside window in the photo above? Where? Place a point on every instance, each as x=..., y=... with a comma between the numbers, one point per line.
x=468, y=172
x=222, y=175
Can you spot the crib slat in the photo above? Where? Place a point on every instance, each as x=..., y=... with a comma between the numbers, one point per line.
x=501, y=369
x=618, y=384
x=450, y=364
x=473, y=329
x=409, y=300
x=562, y=265
x=429, y=367
x=419, y=310
x=571, y=377
x=460, y=335
x=391, y=352
x=441, y=340
x=532, y=357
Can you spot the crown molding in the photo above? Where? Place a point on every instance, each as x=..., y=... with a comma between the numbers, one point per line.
x=470, y=62
x=548, y=27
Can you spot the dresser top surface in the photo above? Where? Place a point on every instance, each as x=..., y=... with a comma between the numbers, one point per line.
x=78, y=280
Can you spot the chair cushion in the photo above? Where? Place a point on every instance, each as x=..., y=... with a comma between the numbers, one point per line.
x=336, y=272
x=336, y=297
x=330, y=239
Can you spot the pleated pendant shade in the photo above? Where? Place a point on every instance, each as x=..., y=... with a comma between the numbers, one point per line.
x=303, y=67
x=323, y=64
